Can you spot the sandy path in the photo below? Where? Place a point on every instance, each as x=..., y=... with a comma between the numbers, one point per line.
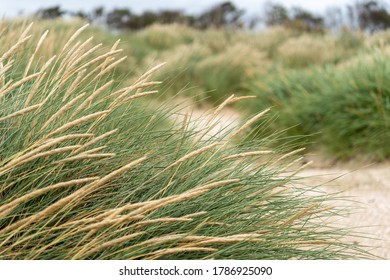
x=198, y=118
x=369, y=187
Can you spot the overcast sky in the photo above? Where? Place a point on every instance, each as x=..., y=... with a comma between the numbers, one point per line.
x=12, y=7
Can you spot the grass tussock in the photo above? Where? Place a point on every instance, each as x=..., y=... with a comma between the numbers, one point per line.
x=307, y=50
x=345, y=108
x=89, y=170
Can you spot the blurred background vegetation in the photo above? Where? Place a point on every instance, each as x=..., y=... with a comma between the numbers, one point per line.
x=369, y=16
x=325, y=76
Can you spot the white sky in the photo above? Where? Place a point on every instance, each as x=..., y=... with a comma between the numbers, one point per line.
x=12, y=7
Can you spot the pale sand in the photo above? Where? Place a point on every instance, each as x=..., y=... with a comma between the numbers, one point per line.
x=369, y=188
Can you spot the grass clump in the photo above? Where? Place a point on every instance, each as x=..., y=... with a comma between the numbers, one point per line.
x=200, y=73
x=344, y=107
x=307, y=50
x=90, y=171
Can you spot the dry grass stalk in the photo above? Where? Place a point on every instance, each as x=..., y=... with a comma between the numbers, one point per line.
x=110, y=244
x=140, y=94
x=248, y=154
x=192, y=154
x=217, y=184
x=85, y=156
x=6, y=208
x=68, y=74
x=161, y=220
x=7, y=66
x=193, y=215
x=46, y=143
x=127, y=90
x=39, y=80
x=40, y=42
x=60, y=80
x=196, y=241
x=303, y=167
x=47, y=246
x=239, y=98
x=76, y=58
x=20, y=157
x=250, y=122
x=73, y=85
x=147, y=206
x=220, y=107
x=74, y=36
x=115, y=173
x=40, y=155
x=94, y=150
x=97, y=139
x=208, y=127
x=101, y=57
x=116, y=44
x=34, y=89
x=52, y=152
x=107, y=215
x=219, y=224
x=19, y=83
x=36, y=50
x=228, y=101
x=109, y=67
x=79, y=121
x=111, y=213
x=91, y=97
x=159, y=253
x=210, y=240
x=299, y=215
x=67, y=57
x=21, y=112
x=14, y=48
x=24, y=33
x=62, y=110
x=77, y=195
x=152, y=119
x=85, y=221
x=7, y=84
x=151, y=205
x=288, y=155
x=147, y=74
x=158, y=240
x=111, y=222
x=2, y=76
x=163, y=189
x=114, y=47
x=91, y=74
x=3, y=70
x=291, y=164
x=48, y=63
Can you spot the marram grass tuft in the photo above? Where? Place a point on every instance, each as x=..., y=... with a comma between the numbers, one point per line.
x=91, y=171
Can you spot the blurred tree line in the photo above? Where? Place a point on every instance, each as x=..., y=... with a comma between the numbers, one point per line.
x=368, y=16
